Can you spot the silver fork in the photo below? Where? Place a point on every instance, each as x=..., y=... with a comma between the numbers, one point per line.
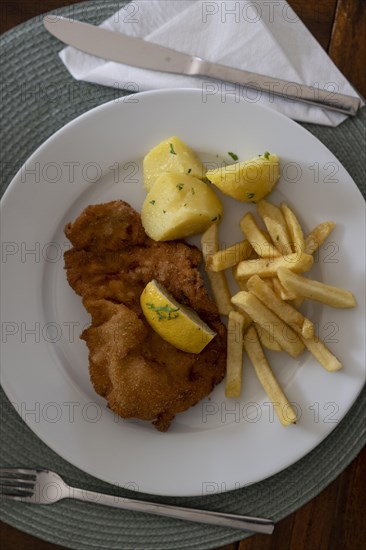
x=45, y=487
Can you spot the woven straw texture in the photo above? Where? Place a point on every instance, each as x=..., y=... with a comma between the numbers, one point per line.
x=38, y=98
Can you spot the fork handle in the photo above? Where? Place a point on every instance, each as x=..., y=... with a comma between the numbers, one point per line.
x=247, y=523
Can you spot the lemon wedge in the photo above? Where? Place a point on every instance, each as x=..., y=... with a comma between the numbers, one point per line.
x=247, y=181
x=175, y=323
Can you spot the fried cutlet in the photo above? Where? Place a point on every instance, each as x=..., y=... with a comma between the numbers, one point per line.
x=139, y=374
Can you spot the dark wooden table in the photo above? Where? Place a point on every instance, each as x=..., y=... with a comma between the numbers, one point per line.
x=335, y=519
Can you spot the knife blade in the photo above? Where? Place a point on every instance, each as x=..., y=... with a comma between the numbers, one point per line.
x=130, y=50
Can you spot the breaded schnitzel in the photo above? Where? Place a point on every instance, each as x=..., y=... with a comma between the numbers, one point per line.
x=140, y=374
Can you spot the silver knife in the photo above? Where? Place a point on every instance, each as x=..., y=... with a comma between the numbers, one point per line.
x=140, y=53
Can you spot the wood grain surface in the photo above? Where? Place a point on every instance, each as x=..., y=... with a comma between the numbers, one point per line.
x=335, y=519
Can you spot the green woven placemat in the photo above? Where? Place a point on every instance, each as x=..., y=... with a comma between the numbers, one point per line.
x=38, y=98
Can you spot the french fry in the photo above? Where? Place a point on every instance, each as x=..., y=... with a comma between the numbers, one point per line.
x=228, y=257
x=218, y=282
x=282, y=406
x=268, y=268
x=280, y=290
x=271, y=288
x=308, y=288
x=312, y=242
x=257, y=238
x=294, y=229
x=297, y=302
x=285, y=311
x=276, y=226
x=266, y=339
x=261, y=314
x=242, y=284
x=322, y=354
x=234, y=361
x=317, y=236
x=269, y=282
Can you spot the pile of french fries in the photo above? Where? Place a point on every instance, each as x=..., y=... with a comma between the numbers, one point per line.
x=268, y=265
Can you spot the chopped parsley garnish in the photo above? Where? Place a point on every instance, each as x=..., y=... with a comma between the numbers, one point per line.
x=164, y=312
x=233, y=155
x=250, y=195
x=277, y=237
x=164, y=211
x=152, y=202
x=266, y=155
x=185, y=205
x=180, y=186
x=171, y=149
x=193, y=191
x=189, y=170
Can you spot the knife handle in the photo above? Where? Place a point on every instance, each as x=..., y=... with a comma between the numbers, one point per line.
x=324, y=99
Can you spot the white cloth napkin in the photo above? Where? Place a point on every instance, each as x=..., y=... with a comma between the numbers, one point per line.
x=265, y=37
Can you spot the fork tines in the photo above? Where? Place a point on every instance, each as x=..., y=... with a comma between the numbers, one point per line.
x=17, y=483
x=16, y=471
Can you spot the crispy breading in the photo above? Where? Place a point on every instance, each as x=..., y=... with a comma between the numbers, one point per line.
x=108, y=226
x=139, y=374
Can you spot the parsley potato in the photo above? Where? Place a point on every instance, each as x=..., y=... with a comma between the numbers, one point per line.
x=179, y=205
x=171, y=155
x=247, y=181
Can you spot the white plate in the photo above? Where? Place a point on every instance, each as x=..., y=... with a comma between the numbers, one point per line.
x=219, y=444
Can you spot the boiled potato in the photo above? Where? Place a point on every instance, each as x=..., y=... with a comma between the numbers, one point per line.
x=247, y=181
x=178, y=206
x=171, y=155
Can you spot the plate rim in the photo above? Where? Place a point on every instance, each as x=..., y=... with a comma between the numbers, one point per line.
x=86, y=115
